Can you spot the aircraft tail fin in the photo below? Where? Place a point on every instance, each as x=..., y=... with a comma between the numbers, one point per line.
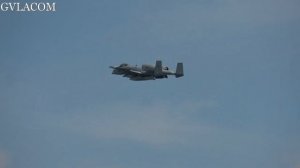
x=179, y=70
x=158, y=68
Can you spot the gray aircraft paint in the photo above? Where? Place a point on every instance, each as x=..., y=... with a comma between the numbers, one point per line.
x=146, y=71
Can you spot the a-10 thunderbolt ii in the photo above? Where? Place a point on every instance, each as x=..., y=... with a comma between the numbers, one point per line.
x=146, y=71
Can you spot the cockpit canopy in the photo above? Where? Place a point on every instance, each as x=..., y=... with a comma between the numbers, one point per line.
x=123, y=65
x=166, y=68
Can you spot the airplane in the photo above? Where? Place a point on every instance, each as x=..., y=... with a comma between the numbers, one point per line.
x=146, y=71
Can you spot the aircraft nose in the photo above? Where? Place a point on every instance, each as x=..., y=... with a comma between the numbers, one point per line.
x=117, y=72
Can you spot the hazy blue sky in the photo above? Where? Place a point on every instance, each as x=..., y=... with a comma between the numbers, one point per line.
x=238, y=104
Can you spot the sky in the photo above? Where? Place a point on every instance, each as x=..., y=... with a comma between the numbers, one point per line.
x=237, y=105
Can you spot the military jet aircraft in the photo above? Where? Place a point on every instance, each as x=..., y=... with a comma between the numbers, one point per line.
x=146, y=71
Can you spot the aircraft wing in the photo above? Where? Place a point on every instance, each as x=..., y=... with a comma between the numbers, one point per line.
x=136, y=72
